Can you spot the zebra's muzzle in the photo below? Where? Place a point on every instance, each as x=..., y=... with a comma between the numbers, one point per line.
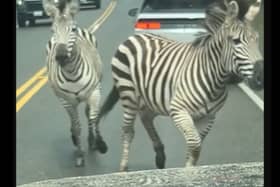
x=257, y=80
x=62, y=54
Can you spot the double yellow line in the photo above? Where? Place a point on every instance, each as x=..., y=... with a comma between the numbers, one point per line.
x=39, y=79
x=103, y=17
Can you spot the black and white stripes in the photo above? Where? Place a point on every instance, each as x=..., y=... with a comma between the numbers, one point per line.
x=74, y=73
x=186, y=81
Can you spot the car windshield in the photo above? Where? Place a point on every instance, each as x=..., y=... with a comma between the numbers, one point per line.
x=173, y=5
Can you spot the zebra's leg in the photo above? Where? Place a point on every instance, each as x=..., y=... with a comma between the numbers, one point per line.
x=130, y=109
x=204, y=129
x=147, y=119
x=91, y=139
x=92, y=108
x=75, y=131
x=127, y=135
x=184, y=122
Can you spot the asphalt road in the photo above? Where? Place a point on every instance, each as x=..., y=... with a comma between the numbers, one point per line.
x=44, y=147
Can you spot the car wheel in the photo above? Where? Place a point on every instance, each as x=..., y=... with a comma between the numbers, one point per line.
x=21, y=21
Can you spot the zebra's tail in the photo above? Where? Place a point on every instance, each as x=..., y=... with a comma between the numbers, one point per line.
x=109, y=103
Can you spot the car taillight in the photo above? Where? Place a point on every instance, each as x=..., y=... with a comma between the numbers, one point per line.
x=147, y=25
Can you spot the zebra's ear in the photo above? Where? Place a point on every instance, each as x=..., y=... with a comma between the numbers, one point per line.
x=50, y=8
x=233, y=9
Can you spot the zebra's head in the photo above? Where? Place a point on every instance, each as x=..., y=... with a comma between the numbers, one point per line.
x=64, y=27
x=246, y=59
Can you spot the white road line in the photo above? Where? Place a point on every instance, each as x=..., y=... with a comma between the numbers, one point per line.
x=258, y=101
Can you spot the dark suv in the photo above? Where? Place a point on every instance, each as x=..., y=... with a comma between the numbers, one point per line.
x=29, y=10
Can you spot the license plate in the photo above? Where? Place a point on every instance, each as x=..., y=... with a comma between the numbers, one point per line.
x=38, y=13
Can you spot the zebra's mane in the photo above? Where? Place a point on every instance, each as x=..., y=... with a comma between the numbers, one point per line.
x=215, y=17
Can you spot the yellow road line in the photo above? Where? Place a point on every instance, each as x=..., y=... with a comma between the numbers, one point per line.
x=30, y=93
x=104, y=13
x=108, y=12
x=103, y=17
x=30, y=81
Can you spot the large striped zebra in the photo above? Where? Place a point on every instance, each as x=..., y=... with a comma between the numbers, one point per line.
x=74, y=71
x=186, y=81
x=216, y=15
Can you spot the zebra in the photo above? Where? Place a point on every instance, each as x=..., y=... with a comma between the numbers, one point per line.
x=74, y=72
x=216, y=15
x=154, y=75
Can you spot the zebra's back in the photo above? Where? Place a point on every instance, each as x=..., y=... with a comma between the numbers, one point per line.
x=149, y=64
x=159, y=70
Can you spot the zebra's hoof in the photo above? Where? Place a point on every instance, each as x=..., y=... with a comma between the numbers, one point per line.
x=101, y=146
x=79, y=158
x=80, y=162
x=160, y=160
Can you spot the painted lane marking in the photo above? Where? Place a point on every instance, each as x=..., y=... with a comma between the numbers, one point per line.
x=103, y=17
x=30, y=93
x=28, y=83
x=258, y=101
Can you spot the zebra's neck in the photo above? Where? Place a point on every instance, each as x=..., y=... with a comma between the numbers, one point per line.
x=219, y=56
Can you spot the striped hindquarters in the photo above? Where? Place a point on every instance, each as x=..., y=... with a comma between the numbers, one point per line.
x=149, y=65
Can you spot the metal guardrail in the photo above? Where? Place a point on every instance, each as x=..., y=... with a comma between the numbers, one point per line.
x=239, y=175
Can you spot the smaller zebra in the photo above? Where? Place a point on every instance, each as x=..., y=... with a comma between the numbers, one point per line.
x=74, y=71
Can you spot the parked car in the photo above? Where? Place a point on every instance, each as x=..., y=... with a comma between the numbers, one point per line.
x=29, y=10
x=176, y=19
x=90, y=3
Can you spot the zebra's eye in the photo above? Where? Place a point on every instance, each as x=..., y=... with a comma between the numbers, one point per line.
x=236, y=41
x=74, y=29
